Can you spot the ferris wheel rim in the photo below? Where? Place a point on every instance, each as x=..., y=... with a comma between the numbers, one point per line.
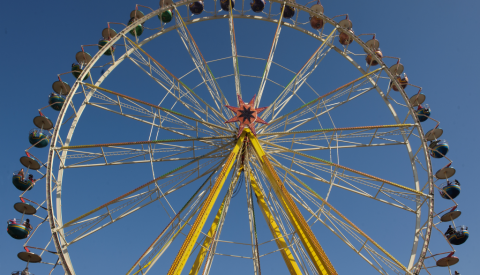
x=152, y=14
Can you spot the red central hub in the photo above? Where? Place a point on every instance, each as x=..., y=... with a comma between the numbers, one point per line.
x=246, y=115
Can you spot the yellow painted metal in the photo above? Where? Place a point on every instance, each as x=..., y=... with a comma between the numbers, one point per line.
x=324, y=202
x=311, y=244
x=187, y=246
x=281, y=243
x=208, y=239
x=206, y=243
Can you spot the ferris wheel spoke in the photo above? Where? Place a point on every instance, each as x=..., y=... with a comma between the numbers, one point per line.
x=166, y=142
x=300, y=78
x=173, y=228
x=158, y=108
x=349, y=92
x=137, y=112
x=135, y=202
x=343, y=228
x=125, y=155
x=355, y=184
x=170, y=87
x=176, y=130
x=233, y=42
x=191, y=239
x=202, y=66
x=270, y=59
x=337, y=138
x=341, y=167
x=154, y=181
x=312, y=147
x=177, y=83
x=172, y=150
x=321, y=109
x=192, y=105
x=163, y=241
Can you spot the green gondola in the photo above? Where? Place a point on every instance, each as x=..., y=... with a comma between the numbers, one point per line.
x=167, y=16
x=102, y=43
x=138, y=30
x=77, y=71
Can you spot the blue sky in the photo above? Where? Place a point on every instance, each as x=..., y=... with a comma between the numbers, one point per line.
x=434, y=42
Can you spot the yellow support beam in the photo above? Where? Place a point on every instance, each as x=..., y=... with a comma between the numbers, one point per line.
x=344, y=218
x=206, y=243
x=208, y=239
x=187, y=246
x=281, y=243
x=311, y=244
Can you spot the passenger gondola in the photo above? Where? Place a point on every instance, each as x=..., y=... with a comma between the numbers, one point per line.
x=257, y=5
x=316, y=22
x=343, y=37
x=21, y=182
x=402, y=80
x=104, y=42
x=423, y=113
x=16, y=230
x=438, y=148
x=225, y=4
x=77, y=71
x=459, y=235
x=450, y=190
x=38, y=138
x=56, y=101
x=196, y=7
x=288, y=12
x=138, y=30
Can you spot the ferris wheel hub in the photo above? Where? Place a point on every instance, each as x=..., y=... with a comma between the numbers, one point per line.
x=246, y=114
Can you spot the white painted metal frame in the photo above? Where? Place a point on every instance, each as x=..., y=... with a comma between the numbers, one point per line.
x=55, y=218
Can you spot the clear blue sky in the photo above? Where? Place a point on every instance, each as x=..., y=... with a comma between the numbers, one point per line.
x=435, y=40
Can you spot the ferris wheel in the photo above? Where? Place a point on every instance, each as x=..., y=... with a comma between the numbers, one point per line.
x=329, y=162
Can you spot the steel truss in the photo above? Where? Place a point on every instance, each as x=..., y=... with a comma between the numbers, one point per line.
x=284, y=201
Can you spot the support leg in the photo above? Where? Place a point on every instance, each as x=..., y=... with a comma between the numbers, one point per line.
x=190, y=240
x=281, y=243
x=313, y=248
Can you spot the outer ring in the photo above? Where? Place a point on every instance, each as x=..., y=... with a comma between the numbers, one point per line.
x=56, y=223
